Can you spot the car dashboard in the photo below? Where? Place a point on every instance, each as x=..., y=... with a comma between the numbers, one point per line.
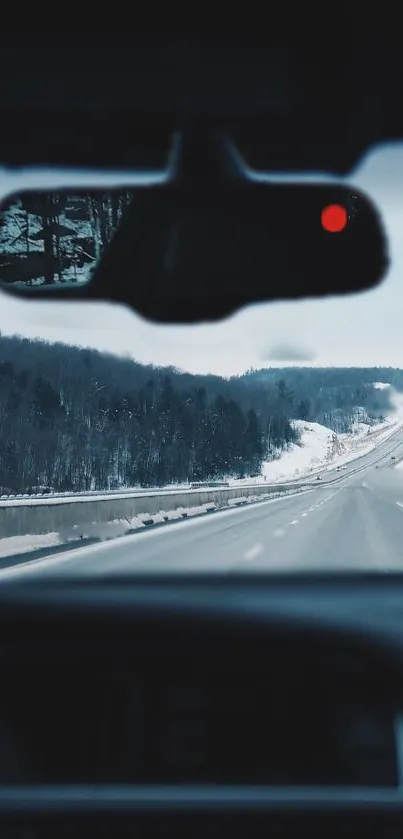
x=153, y=701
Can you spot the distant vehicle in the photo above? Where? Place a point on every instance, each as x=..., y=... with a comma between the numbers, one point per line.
x=318, y=478
x=393, y=457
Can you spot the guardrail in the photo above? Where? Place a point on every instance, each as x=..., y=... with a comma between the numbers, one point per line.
x=81, y=515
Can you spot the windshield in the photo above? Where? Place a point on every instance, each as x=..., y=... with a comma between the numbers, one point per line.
x=271, y=441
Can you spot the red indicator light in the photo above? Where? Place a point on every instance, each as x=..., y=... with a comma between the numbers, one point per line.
x=334, y=218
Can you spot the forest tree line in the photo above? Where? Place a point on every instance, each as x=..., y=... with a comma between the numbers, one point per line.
x=76, y=419
x=332, y=396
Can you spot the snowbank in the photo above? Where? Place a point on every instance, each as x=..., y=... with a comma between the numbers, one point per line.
x=11, y=545
x=67, y=537
x=320, y=448
x=317, y=446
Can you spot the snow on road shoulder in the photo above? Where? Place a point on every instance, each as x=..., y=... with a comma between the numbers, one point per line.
x=70, y=537
x=11, y=545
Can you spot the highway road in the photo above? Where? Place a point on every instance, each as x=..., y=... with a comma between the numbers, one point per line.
x=349, y=520
x=381, y=454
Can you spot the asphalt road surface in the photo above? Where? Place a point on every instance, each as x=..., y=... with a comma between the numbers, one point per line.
x=351, y=519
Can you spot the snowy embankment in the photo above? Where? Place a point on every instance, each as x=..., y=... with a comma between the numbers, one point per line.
x=319, y=448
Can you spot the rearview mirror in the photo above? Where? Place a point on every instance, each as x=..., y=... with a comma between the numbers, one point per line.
x=191, y=250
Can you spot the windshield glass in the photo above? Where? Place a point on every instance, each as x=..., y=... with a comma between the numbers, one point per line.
x=270, y=441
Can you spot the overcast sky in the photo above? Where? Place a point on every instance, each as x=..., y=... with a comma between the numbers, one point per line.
x=365, y=329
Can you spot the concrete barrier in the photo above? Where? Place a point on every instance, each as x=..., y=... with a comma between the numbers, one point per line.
x=46, y=515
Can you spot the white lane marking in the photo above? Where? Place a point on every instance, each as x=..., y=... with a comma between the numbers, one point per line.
x=303, y=515
x=399, y=504
x=54, y=560
x=294, y=522
x=278, y=532
x=253, y=552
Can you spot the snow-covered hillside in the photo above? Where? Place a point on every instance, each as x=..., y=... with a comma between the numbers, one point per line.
x=319, y=447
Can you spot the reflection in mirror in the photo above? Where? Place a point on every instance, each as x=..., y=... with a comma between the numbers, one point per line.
x=51, y=238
